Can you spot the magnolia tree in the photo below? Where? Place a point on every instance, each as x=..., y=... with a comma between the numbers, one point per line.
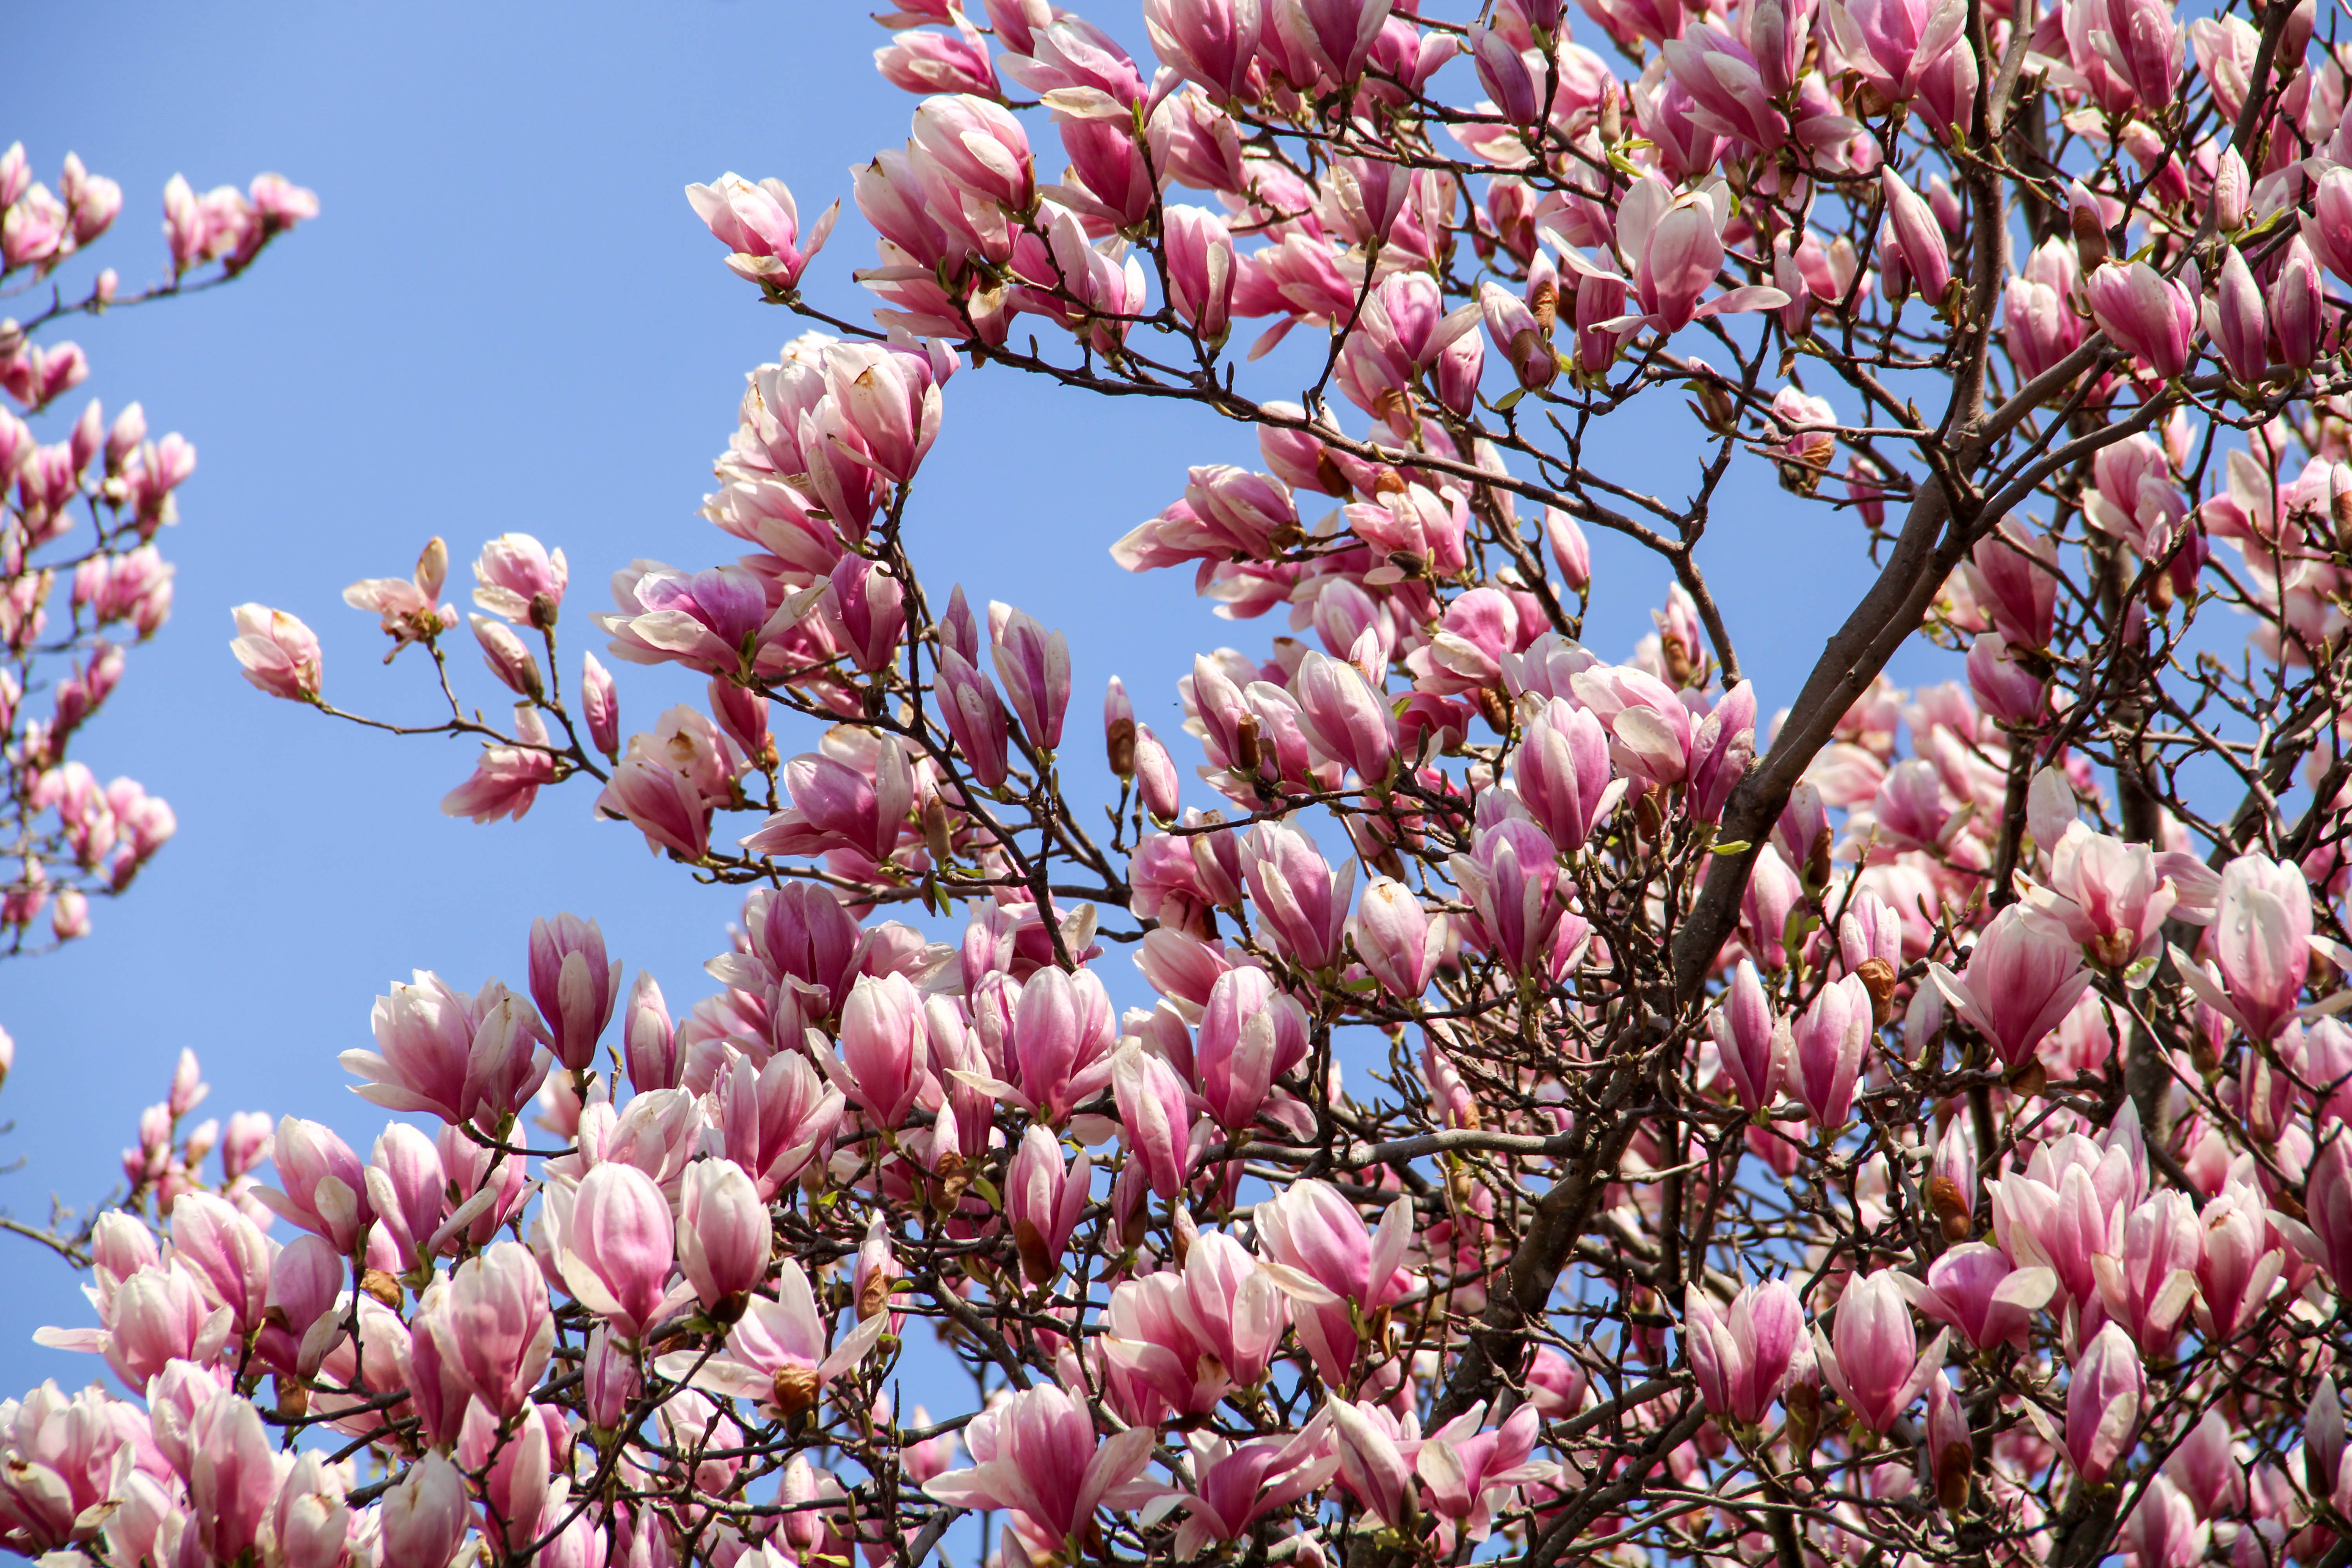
x=81, y=575
x=1903, y=1127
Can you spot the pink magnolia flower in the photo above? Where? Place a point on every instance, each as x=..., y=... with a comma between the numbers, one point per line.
x=2298, y=319
x=1345, y=717
x=426, y=1516
x=1896, y=43
x=2147, y=1287
x=1511, y=881
x=837, y=804
x=882, y=1062
x=232, y=1477
x=615, y=1243
x=506, y=779
x=2238, y=1254
x=1043, y=1201
x=1202, y=270
x=1467, y=1473
x=777, y=1353
x=761, y=227
x=1726, y=86
x=2206, y=1471
x=1650, y=730
x=1299, y=898
x=226, y=1255
x=1874, y=1362
x=1317, y=1248
x=2021, y=978
x=2038, y=319
x=326, y=1190
x=1330, y=42
x=1918, y=238
x=1237, y=1485
x=1951, y=1448
x=410, y=608
x=507, y=658
x=1562, y=769
x=974, y=716
x=2261, y=942
x=921, y=61
x=1251, y=1034
x=972, y=158
x=1827, y=1046
x=888, y=399
x=1396, y=939
x=280, y=654
x=2067, y=1206
x=671, y=780
x=158, y=1314
x=1978, y=1290
x=574, y=987
x=1375, y=1459
x=1721, y=748
x=512, y=574
x=774, y=1120
x=1751, y=1041
x=493, y=1329
x=2110, y=895
x=1062, y=1038
x=2002, y=685
x=713, y=620
x=1194, y=1334
x=2102, y=1404
x=1038, y=1455
x=2163, y=1530
x=1155, y=1117
x=2327, y=1209
x=2237, y=321
x=64, y=1467
x=724, y=1238
x=1212, y=42
x=463, y=1058
x=1034, y=666
x=1743, y=1356
x=1671, y=245
x=2144, y=315
x=409, y=1189
x=2132, y=48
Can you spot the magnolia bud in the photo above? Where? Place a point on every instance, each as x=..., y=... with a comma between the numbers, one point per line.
x=1118, y=729
x=2089, y=226
x=2232, y=192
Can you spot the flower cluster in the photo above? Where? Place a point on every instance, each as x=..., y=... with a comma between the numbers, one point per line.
x=81, y=578
x=1574, y=1110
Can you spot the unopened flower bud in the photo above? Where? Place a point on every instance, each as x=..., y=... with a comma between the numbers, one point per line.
x=507, y=658
x=2232, y=192
x=2090, y=228
x=1118, y=729
x=1155, y=773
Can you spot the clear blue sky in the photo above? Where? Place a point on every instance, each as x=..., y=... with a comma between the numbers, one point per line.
x=508, y=319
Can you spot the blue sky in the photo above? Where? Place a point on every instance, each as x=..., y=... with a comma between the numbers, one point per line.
x=508, y=319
